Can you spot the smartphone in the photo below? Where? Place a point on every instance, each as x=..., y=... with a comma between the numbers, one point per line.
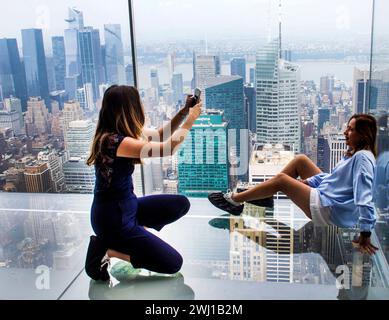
x=196, y=96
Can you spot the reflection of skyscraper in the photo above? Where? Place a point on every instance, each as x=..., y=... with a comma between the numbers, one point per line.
x=59, y=58
x=114, y=58
x=12, y=75
x=35, y=64
x=238, y=68
x=277, y=85
x=92, y=70
x=203, y=166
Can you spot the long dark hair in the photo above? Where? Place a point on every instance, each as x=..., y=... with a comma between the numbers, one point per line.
x=366, y=127
x=121, y=113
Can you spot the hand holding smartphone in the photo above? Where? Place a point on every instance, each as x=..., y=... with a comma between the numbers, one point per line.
x=195, y=99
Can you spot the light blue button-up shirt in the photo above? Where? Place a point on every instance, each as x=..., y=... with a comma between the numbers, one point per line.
x=348, y=191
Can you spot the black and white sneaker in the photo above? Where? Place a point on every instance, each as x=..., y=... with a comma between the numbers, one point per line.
x=97, y=261
x=224, y=201
x=266, y=202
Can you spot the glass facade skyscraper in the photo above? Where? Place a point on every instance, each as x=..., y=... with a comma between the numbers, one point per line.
x=203, y=165
x=92, y=70
x=114, y=58
x=35, y=64
x=12, y=75
x=277, y=86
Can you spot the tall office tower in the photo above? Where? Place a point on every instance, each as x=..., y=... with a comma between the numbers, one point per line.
x=361, y=85
x=59, y=59
x=14, y=105
x=35, y=64
x=102, y=88
x=178, y=88
x=10, y=120
x=85, y=98
x=171, y=64
x=252, y=76
x=130, y=74
x=337, y=147
x=267, y=161
x=75, y=19
x=79, y=177
x=323, y=117
x=37, y=117
x=154, y=80
x=250, y=107
x=199, y=175
x=54, y=163
x=327, y=84
x=277, y=86
x=205, y=66
x=92, y=70
x=37, y=177
x=287, y=55
x=323, y=153
x=71, y=112
x=238, y=68
x=12, y=75
x=114, y=57
x=79, y=137
x=50, y=74
x=226, y=93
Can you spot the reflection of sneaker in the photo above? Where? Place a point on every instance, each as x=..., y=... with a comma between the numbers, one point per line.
x=266, y=202
x=97, y=262
x=224, y=202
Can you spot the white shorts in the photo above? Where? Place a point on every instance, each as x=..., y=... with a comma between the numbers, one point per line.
x=320, y=215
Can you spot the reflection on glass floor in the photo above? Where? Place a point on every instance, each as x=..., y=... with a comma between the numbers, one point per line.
x=263, y=254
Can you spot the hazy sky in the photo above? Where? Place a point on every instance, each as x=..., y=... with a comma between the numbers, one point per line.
x=188, y=19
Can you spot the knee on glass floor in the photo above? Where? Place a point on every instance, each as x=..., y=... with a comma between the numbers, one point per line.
x=183, y=204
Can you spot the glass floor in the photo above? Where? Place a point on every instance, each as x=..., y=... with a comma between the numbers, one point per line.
x=262, y=254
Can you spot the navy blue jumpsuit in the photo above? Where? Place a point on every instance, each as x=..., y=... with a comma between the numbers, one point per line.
x=118, y=217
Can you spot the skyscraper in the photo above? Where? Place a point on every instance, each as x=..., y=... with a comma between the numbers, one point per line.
x=35, y=64
x=12, y=75
x=130, y=74
x=114, y=57
x=59, y=59
x=79, y=137
x=75, y=19
x=250, y=107
x=361, y=86
x=238, y=68
x=323, y=117
x=92, y=70
x=154, y=80
x=37, y=117
x=277, y=85
x=84, y=96
x=204, y=67
x=203, y=164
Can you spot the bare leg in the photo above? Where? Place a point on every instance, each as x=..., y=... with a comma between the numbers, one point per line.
x=298, y=192
x=115, y=254
x=301, y=166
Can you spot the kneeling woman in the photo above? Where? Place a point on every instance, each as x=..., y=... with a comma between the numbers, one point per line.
x=118, y=217
x=343, y=198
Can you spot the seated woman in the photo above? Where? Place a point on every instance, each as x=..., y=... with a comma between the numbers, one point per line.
x=342, y=198
x=118, y=216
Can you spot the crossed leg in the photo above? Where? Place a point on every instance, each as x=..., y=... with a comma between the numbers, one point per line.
x=286, y=182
